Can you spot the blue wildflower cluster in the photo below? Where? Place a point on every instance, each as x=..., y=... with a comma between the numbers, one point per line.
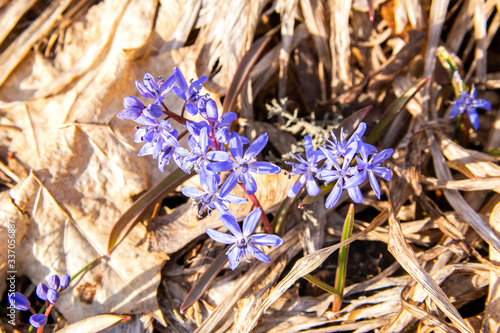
x=347, y=162
x=213, y=149
x=46, y=292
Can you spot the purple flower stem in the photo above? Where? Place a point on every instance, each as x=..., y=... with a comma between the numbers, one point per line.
x=256, y=203
x=180, y=119
x=47, y=312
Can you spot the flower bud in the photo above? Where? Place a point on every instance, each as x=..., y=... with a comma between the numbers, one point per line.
x=41, y=291
x=38, y=320
x=52, y=296
x=17, y=301
x=53, y=282
x=65, y=280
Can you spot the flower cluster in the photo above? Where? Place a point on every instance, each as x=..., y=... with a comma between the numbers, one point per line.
x=46, y=292
x=209, y=141
x=346, y=162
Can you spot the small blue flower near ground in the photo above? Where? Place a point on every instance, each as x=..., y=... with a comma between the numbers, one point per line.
x=190, y=94
x=467, y=102
x=307, y=168
x=154, y=90
x=372, y=167
x=210, y=197
x=243, y=165
x=347, y=177
x=243, y=241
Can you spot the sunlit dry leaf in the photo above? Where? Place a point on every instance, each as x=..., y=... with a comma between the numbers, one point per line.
x=491, y=322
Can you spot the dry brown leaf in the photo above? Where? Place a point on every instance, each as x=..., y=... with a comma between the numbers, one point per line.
x=491, y=322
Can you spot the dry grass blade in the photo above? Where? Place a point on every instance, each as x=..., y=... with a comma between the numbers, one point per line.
x=491, y=322
x=339, y=45
x=464, y=185
x=407, y=259
x=457, y=201
x=11, y=14
x=15, y=53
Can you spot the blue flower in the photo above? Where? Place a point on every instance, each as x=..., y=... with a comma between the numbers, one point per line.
x=38, y=320
x=155, y=90
x=19, y=302
x=199, y=156
x=347, y=177
x=307, y=168
x=243, y=165
x=468, y=102
x=372, y=168
x=191, y=94
x=210, y=197
x=243, y=242
x=160, y=141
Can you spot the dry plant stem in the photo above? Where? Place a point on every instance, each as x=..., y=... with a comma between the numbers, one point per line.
x=256, y=202
x=180, y=119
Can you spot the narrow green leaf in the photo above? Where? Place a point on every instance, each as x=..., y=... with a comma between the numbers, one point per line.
x=243, y=70
x=344, y=251
x=95, y=324
x=395, y=108
x=204, y=281
x=320, y=284
x=342, y=263
x=460, y=167
x=134, y=214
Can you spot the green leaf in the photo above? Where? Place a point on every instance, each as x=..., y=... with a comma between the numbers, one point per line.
x=95, y=324
x=204, y=281
x=138, y=209
x=343, y=255
x=393, y=109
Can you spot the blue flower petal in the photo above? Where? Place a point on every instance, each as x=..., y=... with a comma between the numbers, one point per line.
x=192, y=192
x=230, y=223
x=236, y=146
x=355, y=194
x=229, y=184
x=334, y=196
x=212, y=113
x=266, y=240
x=249, y=183
x=251, y=221
x=295, y=189
x=258, y=254
x=473, y=117
x=220, y=237
x=181, y=81
x=374, y=184
x=312, y=188
x=234, y=256
x=256, y=147
x=264, y=168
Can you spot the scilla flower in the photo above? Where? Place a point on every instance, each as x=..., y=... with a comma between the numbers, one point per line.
x=467, y=102
x=243, y=241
